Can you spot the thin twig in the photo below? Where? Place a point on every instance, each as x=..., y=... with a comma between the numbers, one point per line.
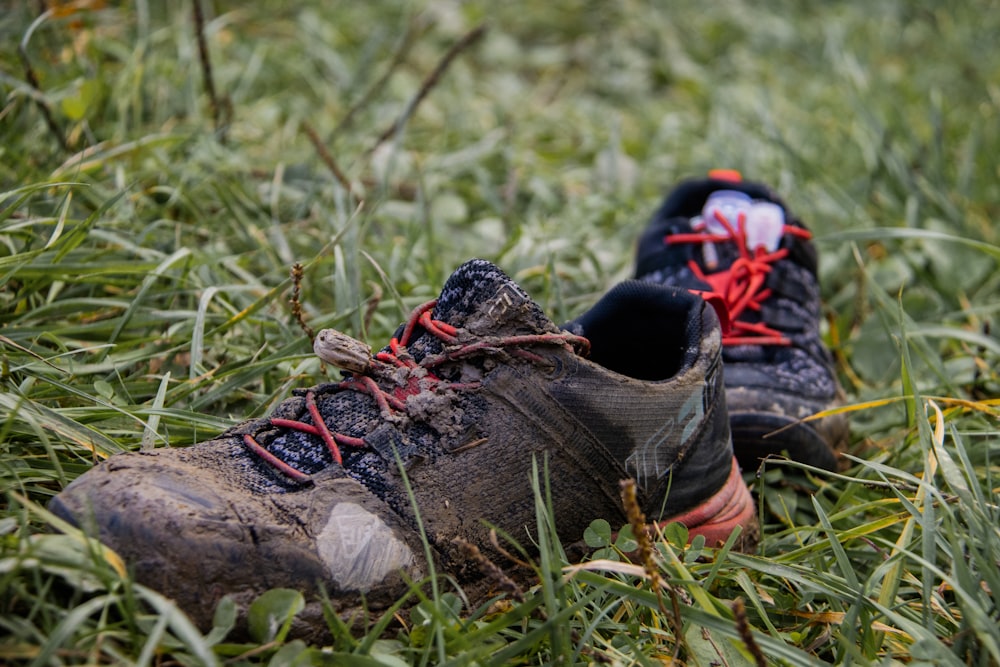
x=404, y=191
x=495, y=541
x=206, y=71
x=493, y=573
x=432, y=79
x=413, y=28
x=32, y=79
x=327, y=159
x=256, y=650
x=707, y=636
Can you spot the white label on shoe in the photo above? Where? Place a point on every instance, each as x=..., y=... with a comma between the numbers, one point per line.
x=765, y=226
x=682, y=418
x=654, y=457
x=359, y=549
x=727, y=203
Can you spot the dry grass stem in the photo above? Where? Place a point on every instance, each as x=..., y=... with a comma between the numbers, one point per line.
x=328, y=159
x=431, y=81
x=743, y=627
x=219, y=118
x=297, y=273
x=494, y=574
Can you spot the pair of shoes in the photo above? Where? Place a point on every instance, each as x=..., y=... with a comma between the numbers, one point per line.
x=439, y=431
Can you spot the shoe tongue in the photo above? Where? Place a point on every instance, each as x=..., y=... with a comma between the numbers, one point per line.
x=482, y=299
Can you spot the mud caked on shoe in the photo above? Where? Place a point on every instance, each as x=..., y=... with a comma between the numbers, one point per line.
x=469, y=390
x=736, y=243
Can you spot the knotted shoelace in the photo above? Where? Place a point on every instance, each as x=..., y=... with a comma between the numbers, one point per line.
x=390, y=396
x=740, y=287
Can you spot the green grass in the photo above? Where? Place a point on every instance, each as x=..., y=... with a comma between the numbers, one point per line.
x=145, y=251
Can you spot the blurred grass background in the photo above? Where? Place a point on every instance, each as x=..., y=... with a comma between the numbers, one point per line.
x=147, y=233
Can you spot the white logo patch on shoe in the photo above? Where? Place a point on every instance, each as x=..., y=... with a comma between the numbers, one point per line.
x=654, y=457
x=359, y=549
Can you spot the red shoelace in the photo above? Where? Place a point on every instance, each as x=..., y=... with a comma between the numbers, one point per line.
x=740, y=287
x=392, y=401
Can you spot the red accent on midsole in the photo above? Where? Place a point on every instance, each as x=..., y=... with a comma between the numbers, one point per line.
x=731, y=506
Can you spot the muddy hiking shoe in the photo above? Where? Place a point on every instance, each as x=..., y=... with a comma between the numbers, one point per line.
x=469, y=390
x=736, y=244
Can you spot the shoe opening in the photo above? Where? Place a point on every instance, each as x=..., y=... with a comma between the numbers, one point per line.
x=643, y=330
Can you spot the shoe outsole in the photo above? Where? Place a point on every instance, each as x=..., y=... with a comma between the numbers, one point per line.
x=758, y=436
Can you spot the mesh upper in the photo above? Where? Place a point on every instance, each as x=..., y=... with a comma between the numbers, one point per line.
x=471, y=288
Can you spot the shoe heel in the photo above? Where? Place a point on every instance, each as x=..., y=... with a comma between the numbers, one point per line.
x=717, y=517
